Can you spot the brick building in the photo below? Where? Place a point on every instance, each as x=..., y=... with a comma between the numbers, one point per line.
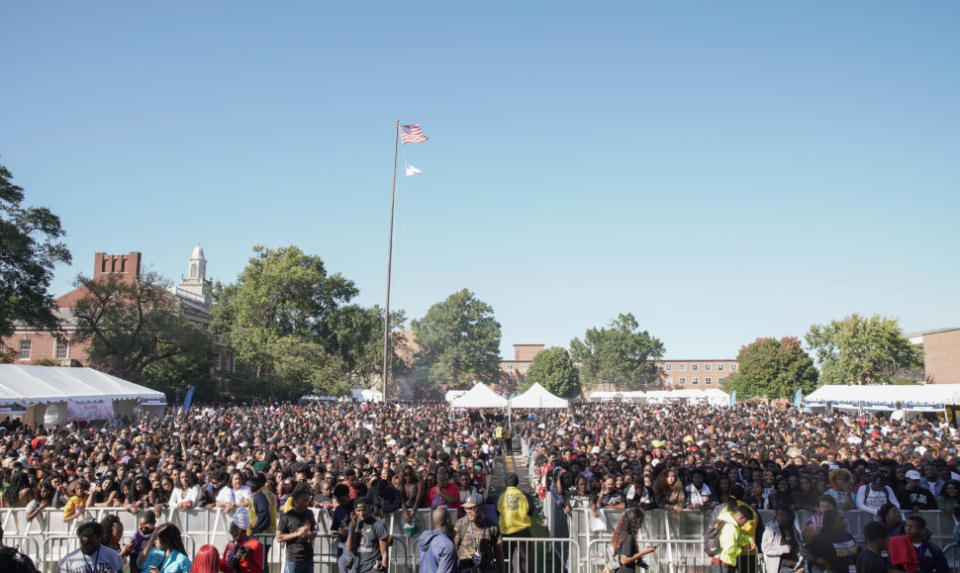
x=696, y=374
x=941, y=354
x=514, y=371
x=192, y=294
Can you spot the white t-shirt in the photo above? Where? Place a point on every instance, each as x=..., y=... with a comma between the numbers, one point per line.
x=179, y=496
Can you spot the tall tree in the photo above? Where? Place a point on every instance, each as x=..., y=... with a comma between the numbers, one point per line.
x=459, y=342
x=621, y=354
x=773, y=368
x=861, y=350
x=553, y=369
x=137, y=332
x=29, y=249
x=355, y=335
x=277, y=321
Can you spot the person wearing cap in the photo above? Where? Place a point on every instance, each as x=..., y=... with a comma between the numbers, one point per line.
x=874, y=494
x=297, y=528
x=263, y=507
x=914, y=496
x=243, y=554
x=477, y=539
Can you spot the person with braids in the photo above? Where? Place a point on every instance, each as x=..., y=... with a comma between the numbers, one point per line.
x=18, y=493
x=624, y=541
x=435, y=549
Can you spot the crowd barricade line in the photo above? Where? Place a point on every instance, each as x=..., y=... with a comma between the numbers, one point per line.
x=540, y=554
x=27, y=545
x=671, y=556
x=952, y=554
x=55, y=548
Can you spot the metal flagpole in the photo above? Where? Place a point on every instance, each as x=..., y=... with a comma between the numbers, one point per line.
x=386, y=313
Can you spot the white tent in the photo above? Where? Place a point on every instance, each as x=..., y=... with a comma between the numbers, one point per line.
x=480, y=397
x=927, y=397
x=367, y=395
x=604, y=396
x=54, y=395
x=537, y=396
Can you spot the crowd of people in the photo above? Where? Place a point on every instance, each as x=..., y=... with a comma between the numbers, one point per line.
x=269, y=465
x=731, y=463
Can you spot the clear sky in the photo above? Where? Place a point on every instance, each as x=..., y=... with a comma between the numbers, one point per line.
x=722, y=170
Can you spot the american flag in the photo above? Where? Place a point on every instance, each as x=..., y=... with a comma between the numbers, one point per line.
x=412, y=134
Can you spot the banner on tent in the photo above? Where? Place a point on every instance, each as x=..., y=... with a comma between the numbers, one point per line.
x=89, y=409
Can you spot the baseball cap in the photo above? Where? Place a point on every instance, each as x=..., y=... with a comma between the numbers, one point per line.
x=913, y=474
x=473, y=500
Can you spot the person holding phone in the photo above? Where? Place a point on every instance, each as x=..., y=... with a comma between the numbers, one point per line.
x=625, y=542
x=164, y=552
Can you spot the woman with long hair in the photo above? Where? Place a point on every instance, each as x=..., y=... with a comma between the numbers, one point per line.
x=207, y=560
x=18, y=493
x=411, y=492
x=164, y=552
x=949, y=496
x=668, y=491
x=625, y=538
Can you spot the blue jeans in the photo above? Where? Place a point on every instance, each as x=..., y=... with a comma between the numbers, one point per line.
x=298, y=566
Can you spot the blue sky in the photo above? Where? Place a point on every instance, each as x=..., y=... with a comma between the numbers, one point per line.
x=721, y=170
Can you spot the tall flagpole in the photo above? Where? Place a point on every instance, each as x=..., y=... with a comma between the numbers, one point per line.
x=386, y=314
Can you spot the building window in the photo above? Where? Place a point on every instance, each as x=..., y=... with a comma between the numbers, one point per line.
x=63, y=349
x=694, y=367
x=668, y=367
x=707, y=381
x=670, y=380
x=720, y=380
x=509, y=366
x=696, y=379
x=733, y=368
x=706, y=367
x=683, y=380
x=682, y=366
x=523, y=368
x=720, y=367
x=24, y=350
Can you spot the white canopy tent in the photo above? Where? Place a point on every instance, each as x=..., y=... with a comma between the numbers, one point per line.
x=537, y=396
x=605, y=396
x=366, y=395
x=55, y=395
x=480, y=396
x=920, y=398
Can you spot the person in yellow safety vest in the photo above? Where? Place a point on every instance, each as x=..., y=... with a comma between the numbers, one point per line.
x=734, y=540
x=514, y=509
x=263, y=507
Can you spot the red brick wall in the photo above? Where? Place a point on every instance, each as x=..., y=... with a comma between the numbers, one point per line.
x=43, y=346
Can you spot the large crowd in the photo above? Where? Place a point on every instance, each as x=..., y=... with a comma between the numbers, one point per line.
x=262, y=462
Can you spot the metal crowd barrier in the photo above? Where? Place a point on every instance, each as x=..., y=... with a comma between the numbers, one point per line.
x=671, y=556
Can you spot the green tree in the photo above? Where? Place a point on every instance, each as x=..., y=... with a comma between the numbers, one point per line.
x=773, y=368
x=553, y=369
x=861, y=350
x=355, y=336
x=621, y=354
x=28, y=252
x=459, y=342
x=137, y=332
x=286, y=321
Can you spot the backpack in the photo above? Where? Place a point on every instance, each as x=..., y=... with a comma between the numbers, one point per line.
x=711, y=539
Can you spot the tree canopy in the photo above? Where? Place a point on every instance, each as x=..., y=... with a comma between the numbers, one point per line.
x=29, y=249
x=773, y=368
x=620, y=354
x=288, y=322
x=553, y=369
x=862, y=350
x=459, y=341
x=136, y=331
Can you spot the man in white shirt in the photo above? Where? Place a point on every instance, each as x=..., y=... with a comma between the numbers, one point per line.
x=873, y=495
x=92, y=557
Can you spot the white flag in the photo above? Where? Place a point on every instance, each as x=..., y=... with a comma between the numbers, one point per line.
x=411, y=170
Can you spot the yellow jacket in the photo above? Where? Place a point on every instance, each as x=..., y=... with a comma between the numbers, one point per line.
x=514, y=511
x=733, y=538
